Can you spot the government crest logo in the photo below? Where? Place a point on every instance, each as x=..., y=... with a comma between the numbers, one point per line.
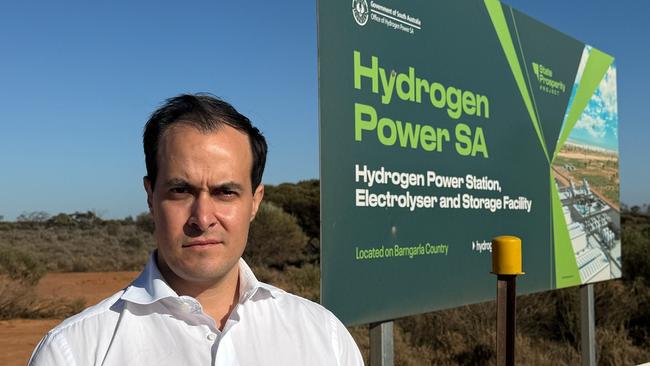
x=360, y=11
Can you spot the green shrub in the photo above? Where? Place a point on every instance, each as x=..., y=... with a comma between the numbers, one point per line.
x=144, y=222
x=133, y=243
x=18, y=300
x=275, y=239
x=20, y=265
x=83, y=264
x=636, y=247
x=113, y=228
x=302, y=200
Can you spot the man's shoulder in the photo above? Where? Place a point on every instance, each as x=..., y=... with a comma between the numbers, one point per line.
x=309, y=322
x=91, y=318
x=301, y=311
x=95, y=322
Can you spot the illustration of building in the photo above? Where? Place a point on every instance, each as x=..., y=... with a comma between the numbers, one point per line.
x=594, y=229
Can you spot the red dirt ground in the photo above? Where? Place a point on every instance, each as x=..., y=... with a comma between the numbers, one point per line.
x=18, y=337
x=91, y=286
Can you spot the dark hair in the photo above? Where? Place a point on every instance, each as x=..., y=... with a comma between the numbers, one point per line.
x=206, y=113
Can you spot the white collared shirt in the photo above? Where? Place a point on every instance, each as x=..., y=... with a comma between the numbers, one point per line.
x=149, y=324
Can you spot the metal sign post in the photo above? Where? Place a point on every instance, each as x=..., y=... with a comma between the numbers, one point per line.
x=587, y=325
x=506, y=264
x=381, y=344
x=506, y=307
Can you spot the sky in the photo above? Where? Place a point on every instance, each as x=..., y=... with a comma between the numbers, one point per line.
x=598, y=124
x=79, y=79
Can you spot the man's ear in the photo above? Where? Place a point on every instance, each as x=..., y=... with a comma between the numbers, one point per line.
x=257, y=200
x=149, y=189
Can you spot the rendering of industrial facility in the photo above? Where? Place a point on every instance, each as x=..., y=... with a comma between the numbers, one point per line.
x=594, y=229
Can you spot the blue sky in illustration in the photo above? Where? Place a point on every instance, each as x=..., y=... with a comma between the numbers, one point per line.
x=598, y=124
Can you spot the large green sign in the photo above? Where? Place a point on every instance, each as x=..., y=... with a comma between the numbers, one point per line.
x=444, y=124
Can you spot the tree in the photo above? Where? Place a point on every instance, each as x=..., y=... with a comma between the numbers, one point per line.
x=35, y=216
x=61, y=220
x=87, y=217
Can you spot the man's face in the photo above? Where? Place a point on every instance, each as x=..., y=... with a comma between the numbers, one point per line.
x=203, y=202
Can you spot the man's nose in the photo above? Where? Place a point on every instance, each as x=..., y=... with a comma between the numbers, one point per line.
x=203, y=214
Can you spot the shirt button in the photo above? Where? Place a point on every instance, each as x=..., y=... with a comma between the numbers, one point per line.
x=212, y=337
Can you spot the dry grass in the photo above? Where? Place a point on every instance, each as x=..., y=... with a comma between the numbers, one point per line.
x=18, y=300
x=101, y=247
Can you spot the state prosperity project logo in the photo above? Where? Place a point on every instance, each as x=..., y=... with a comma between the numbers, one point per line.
x=360, y=11
x=545, y=79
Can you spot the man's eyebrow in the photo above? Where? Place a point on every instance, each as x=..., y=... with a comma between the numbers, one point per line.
x=227, y=186
x=177, y=182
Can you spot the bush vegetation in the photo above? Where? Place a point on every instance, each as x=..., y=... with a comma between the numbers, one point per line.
x=67, y=244
x=302, y=200
x=19, y=273
x=20, y=265
x=18, y=300
x=283, y=250
x=275, y=239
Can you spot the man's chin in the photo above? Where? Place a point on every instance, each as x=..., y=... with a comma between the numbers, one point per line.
x=205, y=271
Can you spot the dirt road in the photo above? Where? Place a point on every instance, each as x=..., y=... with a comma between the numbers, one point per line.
x=588, y=156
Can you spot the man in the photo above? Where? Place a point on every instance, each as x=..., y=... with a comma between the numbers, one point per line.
x=197, y=302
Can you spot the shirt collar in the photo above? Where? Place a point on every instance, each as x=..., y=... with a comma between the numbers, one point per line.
x=249, y=285
x=150, y=286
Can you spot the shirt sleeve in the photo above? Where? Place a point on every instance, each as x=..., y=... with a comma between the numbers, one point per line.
x=348, y=353
x=52, y=350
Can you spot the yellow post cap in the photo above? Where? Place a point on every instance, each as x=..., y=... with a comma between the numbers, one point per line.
x=506, y=255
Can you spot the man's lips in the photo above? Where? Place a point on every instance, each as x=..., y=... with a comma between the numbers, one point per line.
x=200, y=243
